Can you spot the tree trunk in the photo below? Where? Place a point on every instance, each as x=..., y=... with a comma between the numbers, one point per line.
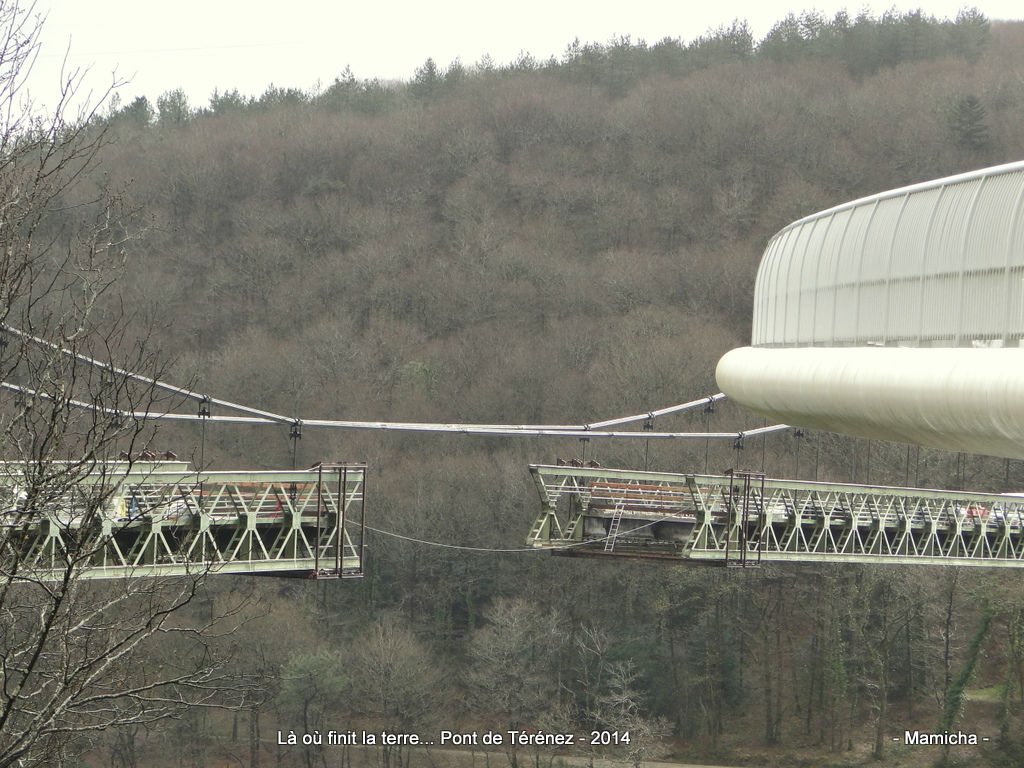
x=254, y=738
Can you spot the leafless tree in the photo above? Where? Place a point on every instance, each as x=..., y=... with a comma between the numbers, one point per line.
x=635, y=736
x=514, y=671
x=77, y=656
x=396, y=681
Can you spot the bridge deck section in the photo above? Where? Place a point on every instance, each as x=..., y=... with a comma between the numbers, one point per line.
x=747, y=519
x=163, y=520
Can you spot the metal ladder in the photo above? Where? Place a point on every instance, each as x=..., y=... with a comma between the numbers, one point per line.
x=613, y=529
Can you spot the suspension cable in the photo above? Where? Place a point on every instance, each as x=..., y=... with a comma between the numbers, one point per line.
x=257, y=416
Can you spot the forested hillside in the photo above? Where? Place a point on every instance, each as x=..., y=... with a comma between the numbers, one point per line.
x=560, y=242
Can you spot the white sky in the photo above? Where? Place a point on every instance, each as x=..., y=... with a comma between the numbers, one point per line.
x=226, y=44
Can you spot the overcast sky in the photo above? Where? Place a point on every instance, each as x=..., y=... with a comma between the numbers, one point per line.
x=226, y=44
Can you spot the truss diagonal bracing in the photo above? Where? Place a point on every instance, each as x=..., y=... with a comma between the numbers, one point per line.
x=744, y=519
x=162, y=520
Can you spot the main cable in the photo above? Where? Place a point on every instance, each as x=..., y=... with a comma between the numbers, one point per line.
x=257, y=416
x=478, y=430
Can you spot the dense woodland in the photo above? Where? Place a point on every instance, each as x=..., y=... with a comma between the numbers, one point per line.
x=558, y=241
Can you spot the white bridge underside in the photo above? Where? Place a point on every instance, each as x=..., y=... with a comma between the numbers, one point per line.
x=955, y=399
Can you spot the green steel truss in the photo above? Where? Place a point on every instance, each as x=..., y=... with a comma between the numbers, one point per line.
x=745, y=519
x=162, y=520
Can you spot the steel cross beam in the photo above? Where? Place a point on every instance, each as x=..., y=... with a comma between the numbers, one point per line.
x=746, y=519
x=160, y=519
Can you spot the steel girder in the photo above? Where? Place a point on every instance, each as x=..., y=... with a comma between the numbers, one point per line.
x=162, y=520
x=745, y=519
